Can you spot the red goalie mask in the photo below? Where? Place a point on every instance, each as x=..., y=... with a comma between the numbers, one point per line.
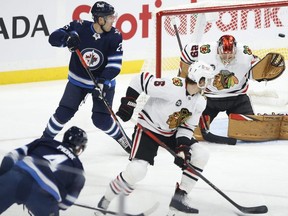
x=227, y=48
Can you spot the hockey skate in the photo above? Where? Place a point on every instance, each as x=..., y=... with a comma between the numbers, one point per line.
x=103, y=204
x=178, y=205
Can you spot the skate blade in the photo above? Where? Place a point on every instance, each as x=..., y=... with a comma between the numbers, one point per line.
x=175, y=212
x=98, y=213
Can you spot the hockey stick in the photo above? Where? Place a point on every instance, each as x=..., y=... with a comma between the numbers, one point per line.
x=248, y=210
x=145, y=213
x=210, y=137
x=101, y=97
x=207, y=135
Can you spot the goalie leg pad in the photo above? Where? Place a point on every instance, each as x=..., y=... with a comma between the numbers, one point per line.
x=254, y=127
x=284, y=128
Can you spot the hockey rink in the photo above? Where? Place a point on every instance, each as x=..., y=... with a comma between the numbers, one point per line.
x=250, y=173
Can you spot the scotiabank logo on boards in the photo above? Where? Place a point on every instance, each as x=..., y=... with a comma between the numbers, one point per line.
x=144, y=16
x=226, y=21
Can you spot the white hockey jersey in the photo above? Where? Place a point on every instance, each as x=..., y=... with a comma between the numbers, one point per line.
x=169, y=109
x=232, y=79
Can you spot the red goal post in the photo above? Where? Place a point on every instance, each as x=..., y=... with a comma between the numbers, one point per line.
x=187, y=23
x=254, y=23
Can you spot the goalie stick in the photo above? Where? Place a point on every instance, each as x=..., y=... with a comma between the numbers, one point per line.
x=101, y=97
x=210, y=137
x=247, y=210
x=145, y=213
x=207, y=135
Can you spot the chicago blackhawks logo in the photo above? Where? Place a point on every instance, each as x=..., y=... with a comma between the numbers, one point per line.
x=205, y=49
x=177, y=81
x=93, y=58
x=178, y=118
x=247, y=50
x=225, y=80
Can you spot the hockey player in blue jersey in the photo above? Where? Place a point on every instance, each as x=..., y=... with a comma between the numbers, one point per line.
x=101, y=46
x=45, y=175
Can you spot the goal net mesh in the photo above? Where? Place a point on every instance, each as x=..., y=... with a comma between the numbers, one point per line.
x=254, y=23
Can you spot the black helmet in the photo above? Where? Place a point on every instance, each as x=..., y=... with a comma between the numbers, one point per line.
x=101, y=9
x=76, y=138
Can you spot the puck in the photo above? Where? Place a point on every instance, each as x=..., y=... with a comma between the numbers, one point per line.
x=281, y=35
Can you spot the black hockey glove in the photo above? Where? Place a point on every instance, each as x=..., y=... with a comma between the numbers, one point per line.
x=128, y=104
x=126, y=108
x=73, y=41
x=6, y=165
x=183, y=151
x=183, y=156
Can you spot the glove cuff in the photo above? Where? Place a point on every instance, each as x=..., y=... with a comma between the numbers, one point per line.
x=185, y=141
x=131, y=93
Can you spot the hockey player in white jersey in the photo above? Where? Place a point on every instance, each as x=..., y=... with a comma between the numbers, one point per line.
x=171, y=113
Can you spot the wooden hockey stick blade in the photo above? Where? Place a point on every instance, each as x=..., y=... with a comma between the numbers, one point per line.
x=210, y=137
x=145, y=213
x=251, y=210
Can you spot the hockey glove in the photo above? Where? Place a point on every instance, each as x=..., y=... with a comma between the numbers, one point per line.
x=73, y=41
x=103, y=86
x=6, y=165
x=128, y=104
x=126, y=108
x=183, y=156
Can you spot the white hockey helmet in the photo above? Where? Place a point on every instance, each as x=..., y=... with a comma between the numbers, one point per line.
x=201, y=73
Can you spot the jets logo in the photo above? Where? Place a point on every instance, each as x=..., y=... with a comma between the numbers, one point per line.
x=96, y=36
x=93, y=58
x=177, y=81
x=204, y=49
x=117, y=31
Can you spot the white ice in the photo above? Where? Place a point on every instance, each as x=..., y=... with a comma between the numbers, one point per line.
x=251, y=174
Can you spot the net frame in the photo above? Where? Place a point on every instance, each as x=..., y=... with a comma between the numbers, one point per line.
x=200, y=9
x=153, y=63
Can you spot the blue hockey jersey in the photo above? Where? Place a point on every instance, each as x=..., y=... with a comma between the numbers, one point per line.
x=102, y=52
x=53, y=166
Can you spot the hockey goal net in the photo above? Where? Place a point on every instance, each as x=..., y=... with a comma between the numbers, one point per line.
x=255, y=23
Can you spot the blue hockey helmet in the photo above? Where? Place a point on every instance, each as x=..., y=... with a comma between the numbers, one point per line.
x=101, y=9
x=76, y=138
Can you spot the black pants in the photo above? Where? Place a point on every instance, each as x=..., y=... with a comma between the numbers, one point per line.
x=239, y=104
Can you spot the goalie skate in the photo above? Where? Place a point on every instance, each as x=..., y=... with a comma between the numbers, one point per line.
x=179, y=205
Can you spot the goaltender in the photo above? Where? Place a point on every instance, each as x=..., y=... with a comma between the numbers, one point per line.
x=235, y=65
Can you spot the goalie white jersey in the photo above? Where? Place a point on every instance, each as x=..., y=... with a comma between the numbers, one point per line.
x=232, y=79
x=169, y=109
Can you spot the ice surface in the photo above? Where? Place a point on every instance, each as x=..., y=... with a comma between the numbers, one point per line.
x=251, y=174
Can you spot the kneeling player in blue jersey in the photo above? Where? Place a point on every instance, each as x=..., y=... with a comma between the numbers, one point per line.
x=45, y=175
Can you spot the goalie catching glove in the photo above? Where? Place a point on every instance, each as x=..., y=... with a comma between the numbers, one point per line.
x=269, y=68
x=128, y=105
x=183, y=151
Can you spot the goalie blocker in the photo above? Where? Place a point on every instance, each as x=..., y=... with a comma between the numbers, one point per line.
x=258, y=127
